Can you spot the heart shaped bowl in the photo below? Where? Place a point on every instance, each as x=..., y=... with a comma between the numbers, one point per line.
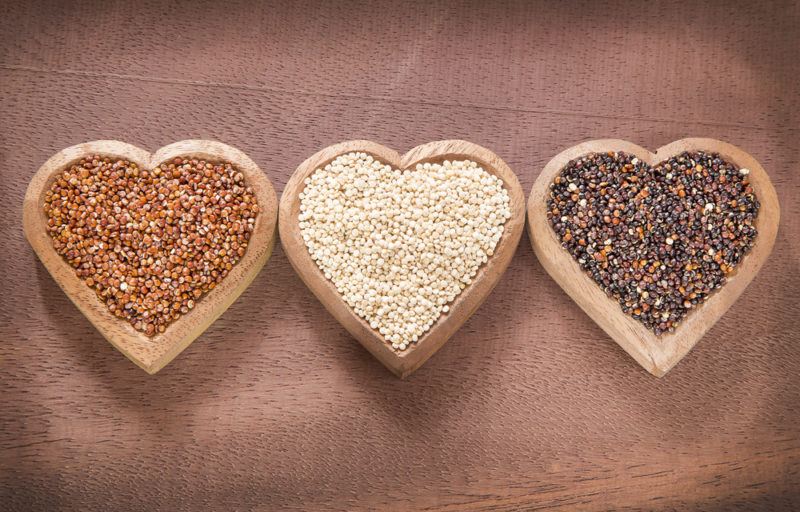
x=152, y=353
x=405, y=362
x=657, y=354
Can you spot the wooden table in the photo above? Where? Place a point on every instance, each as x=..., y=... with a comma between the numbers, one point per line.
x=275, y=407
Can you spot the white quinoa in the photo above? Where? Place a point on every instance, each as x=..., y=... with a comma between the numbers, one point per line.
x=401, y=245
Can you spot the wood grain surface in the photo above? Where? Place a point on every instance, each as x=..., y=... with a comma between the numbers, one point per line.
x=275, y=407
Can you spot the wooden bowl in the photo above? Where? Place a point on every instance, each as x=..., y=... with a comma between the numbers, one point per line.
x=152, y=353
x=405, y=362
x=657, y=354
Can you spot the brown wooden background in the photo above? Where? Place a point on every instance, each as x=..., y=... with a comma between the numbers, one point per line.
x=275, y=407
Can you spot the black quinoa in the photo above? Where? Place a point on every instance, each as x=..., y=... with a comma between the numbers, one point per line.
x=659, y=240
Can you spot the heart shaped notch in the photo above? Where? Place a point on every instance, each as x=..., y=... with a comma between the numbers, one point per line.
x=657, y=354
x=404, y=362
x=152, y=353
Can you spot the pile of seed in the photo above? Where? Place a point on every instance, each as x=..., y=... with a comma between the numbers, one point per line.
x=401, y=245
x=659, y=240
x=150, y=243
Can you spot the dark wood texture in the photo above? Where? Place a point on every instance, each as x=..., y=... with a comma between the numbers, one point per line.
x=530, y=405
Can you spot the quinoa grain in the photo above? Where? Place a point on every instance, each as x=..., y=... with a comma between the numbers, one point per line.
x=150, y=242
x=400, y=246
x=682, y=227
